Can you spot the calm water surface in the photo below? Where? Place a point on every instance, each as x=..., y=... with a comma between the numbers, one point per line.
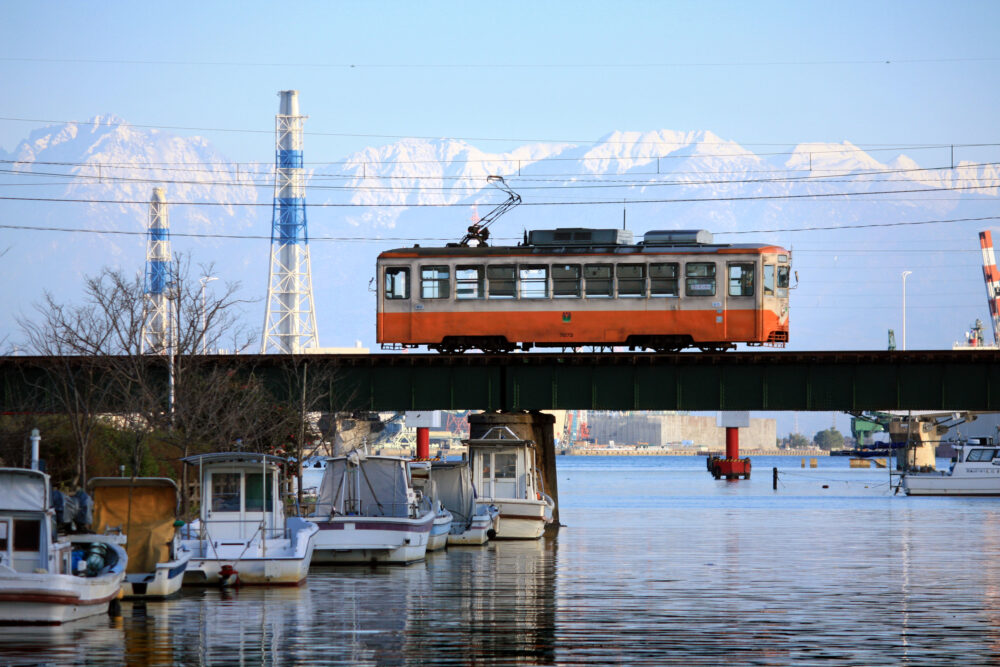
x=657, y=563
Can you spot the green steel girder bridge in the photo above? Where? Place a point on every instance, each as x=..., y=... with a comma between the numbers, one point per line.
x=746, y=380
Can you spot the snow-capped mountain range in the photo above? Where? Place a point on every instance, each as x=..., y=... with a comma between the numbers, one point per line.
x=426, y=191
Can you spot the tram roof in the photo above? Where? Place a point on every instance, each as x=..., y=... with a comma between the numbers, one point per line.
x=575, y=250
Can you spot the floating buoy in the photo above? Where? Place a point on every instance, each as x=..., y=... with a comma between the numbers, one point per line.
x=826, y=486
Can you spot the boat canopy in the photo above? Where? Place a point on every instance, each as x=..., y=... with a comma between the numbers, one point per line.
x=455, y=490
x=24, y=490
x=365, y=486
x=144, y=510
x=233, y=457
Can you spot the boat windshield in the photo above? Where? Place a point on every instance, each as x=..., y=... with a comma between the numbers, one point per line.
x=981, y=455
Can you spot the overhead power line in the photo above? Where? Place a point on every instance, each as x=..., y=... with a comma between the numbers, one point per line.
x=615, y=202
x=366, y=239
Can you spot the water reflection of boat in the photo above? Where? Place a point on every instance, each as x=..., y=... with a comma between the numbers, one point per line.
x=144, y=510
x=504, y=467
x=43, y=579
x=424, y=482
x=367, y=511
x=975, y=471
x=242, y=531
x=472, y=523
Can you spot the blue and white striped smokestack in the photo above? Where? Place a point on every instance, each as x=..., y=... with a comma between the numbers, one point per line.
x=156, y=315
x=290, y=320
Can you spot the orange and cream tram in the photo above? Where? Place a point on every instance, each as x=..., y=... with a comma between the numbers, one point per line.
x=572, y=288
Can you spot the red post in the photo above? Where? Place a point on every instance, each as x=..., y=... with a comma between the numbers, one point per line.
x=732, y=443
x=423, y=442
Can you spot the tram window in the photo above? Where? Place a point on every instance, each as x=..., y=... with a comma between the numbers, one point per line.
x=631, y=279
x=27, y=535
x=783, y=280
x=434, y=282
x=259, y=498
x=598, y=278
x=501, y=282
x=534, y=282
x=469, y=282
x=663, y=280
x=397, y=283
x=700, y=279
x=741, y=279
x=769, y=280
x=226, y=492
x=566, y=280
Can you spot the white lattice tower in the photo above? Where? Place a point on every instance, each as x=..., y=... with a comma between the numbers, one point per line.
x=156, y=329
x=290, y=320
x=992, y=278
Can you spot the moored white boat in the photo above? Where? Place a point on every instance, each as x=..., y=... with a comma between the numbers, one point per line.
x=423, y=481
x=975, y=471
x=242, y=534
x=472, y=523
x=143, y=510
x=505, y=470
x=368, y=512
x=44, y=580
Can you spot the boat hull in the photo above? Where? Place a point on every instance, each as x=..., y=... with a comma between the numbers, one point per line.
x=438, y=538
x=271, y=562
x=477, y=533
x=947, y=485
x=346, y=540
x=521, y=519
x=52, y=599
x=164, y=582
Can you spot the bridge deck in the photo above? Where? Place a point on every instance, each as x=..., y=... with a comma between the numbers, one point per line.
x=845, y=380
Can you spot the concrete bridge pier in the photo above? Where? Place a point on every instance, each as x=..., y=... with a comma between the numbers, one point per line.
x=537, y=427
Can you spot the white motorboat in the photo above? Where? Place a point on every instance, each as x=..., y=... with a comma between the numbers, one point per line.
x=975, y=471
x=144, y=511
x=368, y=512
x=425, y=485
x=505, y=470
x=472, y=523
x=242, y=534
x=44, y=580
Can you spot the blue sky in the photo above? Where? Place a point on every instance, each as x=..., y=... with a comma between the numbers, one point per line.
x=756, y=73
x=499, y=74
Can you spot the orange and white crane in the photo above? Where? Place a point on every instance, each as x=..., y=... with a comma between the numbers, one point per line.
x=992, y=278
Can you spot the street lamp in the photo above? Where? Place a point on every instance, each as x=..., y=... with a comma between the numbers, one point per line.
x=905, y=273
x=204, y=323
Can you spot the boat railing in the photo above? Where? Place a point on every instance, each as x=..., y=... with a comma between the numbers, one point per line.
x=362, y=508
x=233, y=529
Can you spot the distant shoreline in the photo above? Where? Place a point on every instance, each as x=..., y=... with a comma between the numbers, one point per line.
x=633, y=451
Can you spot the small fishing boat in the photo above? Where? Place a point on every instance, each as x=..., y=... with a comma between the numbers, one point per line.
x=368, y=512
x=472, y=523
x=974, y=471
x=505, y=469
x=45, y=580
x=242, y=534
x=143, y=510
x=424, y=483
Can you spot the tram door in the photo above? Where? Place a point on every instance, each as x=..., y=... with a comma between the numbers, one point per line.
x=740, y=313
x=500, y=473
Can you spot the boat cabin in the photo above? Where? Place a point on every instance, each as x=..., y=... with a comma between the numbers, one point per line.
x=503, y=465
x=360, y=485
x=27, y=537
x=240, y=495
x=980, y=450
x=143, y=509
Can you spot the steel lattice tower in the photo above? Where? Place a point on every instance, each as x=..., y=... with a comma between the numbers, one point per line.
x=290, y=321
x=156, y=329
